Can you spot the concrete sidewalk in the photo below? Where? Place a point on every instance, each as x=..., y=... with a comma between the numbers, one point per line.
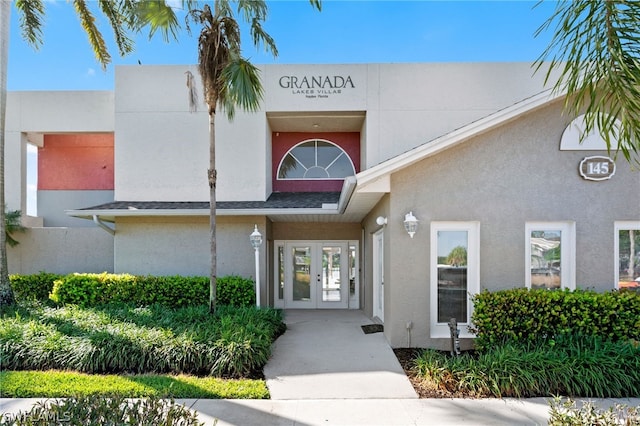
x=361, y=412
x=325, y=354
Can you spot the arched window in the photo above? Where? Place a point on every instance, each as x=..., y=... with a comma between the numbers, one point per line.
x=315, y=159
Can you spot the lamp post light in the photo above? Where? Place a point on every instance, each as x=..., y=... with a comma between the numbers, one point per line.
x=256, y=241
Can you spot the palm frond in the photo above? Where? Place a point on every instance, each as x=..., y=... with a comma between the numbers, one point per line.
x=316, y=4
x=13, y=224
x=88, y=23
x=117, y=20
x=596, y=49
x=159, y=16
x=260, y=36
x=243, y=88
x=31, y=19
x=192, y=92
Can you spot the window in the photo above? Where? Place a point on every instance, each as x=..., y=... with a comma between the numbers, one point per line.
x=455, y=274
x=627, y=254
x=315, y=159
x=550, y=255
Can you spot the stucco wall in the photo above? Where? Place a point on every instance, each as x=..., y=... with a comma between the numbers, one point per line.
x=180, y=246
x=503, y=179
x=411, y=104
x=370, y=226
x=38, y=113
x=61, y=250
x=162, y=149
x=52, y=206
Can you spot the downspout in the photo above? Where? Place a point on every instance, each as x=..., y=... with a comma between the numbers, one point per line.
x=101, y=224
x=348, y=186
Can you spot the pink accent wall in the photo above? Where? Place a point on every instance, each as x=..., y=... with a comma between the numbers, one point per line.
x=76, y=162
x=283, y=142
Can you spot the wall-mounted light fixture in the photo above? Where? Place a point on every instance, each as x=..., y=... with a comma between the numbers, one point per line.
x=410, y=224
x=381, y=221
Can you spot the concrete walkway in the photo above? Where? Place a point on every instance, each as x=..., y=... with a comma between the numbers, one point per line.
x=325, y=371
x=325, y=354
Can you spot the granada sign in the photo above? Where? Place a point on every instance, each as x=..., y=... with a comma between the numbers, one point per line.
x=597, y=168
x=316, y=86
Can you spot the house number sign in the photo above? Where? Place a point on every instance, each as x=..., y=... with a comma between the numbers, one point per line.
x=597, y=168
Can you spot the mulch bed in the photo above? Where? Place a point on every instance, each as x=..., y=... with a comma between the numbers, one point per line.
x=424, y=390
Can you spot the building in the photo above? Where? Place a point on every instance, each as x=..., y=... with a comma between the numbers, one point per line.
x=333, y=170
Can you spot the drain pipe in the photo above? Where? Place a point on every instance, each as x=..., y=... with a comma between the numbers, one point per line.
x=101, y=224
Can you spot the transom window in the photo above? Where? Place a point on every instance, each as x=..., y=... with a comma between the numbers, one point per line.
x=315, y=159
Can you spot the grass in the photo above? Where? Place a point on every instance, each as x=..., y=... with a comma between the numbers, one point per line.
x=60, y=384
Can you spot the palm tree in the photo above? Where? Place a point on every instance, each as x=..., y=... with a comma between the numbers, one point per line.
x=6, y=294
x=124, y=17
x=596, y=47
x=229, y=80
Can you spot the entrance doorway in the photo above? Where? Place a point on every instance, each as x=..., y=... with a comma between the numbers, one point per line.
x=315, y=274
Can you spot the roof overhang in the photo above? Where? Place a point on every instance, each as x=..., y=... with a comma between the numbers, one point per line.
x=336, y=206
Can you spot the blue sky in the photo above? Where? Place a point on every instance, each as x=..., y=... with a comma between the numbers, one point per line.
x=364, y=31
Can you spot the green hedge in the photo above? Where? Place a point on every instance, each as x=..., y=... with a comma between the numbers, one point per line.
x=91, y=289
x=34, y=286
x=524, y=315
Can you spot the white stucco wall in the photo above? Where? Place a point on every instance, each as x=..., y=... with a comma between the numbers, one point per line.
x=52, y=206
x=406, y=104
x=162, y=149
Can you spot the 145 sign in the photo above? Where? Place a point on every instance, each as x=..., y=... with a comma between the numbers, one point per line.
x=597, y=168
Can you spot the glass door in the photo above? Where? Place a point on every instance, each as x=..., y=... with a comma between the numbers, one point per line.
x=316, y=275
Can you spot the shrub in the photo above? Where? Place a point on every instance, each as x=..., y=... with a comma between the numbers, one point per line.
x=568, y=413
x=234, y=290
x=524, y=315
x=34, y=286
x=96, y=409
x=90, y=290
x=117, y=338
x=572, y=365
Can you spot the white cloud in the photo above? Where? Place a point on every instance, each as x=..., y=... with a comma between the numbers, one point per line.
x=91, y=72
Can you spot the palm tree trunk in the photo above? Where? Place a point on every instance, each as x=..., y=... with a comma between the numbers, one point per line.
x=6, y=293
x=212, y=175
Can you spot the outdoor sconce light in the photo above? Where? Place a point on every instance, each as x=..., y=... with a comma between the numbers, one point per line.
x=256, y=242
x=381, y=221
x=410, y=224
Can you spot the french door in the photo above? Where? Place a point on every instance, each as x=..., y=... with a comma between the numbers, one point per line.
x=316, y=274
